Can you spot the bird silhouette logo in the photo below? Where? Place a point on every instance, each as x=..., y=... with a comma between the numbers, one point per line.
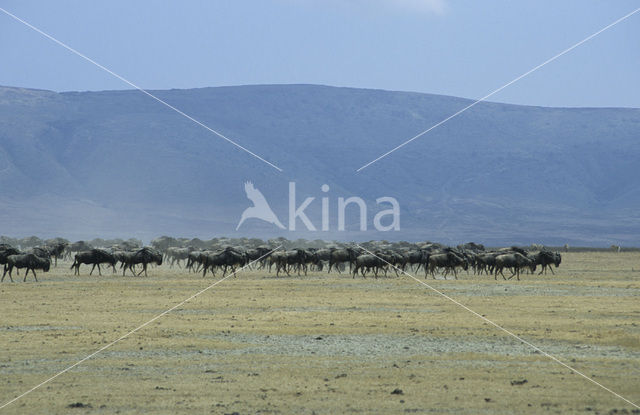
x=260, y=209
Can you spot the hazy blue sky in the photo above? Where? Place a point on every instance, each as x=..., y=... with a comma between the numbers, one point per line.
x=462, y=48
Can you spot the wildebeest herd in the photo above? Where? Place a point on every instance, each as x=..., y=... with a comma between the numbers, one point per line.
x=376, y=258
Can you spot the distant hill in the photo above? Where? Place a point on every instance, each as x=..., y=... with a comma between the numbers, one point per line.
x=117, y=163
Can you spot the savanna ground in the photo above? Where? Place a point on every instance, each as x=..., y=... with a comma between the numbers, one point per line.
x=324, y=344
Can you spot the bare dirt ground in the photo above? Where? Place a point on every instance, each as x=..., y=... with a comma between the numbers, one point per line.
x=324, y=344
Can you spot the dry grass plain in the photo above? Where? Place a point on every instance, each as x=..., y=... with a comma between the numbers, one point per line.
x=324, y=344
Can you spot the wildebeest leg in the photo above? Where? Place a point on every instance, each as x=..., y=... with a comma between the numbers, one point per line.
x=551, y=269
x=515, y=273
x=5, y=272
x=144, y=266
x=99, y=270
x=92, y=268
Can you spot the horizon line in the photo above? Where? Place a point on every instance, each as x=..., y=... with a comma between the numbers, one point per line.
x=320, y=86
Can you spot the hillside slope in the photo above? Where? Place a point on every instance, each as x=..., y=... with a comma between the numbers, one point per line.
x=83, y=164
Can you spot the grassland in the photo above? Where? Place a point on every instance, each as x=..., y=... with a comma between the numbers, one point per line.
x=324, y=344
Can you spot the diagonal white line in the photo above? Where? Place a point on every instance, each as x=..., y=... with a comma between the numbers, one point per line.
x=501, y=88
x=139, y=88
x=555, y=359
x=134, y=330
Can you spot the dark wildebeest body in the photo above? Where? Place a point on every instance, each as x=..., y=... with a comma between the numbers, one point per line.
x=93, y=257
x=123, y=257
x=311, y=259
x=514, y=261
x=279, y=258
x=258, y=254
x=29, y=261
x=339, y=256
x=144, y=256
x=5, y=251
x=365, y=263
x=485, y=262
x=225, y=259
x=446, y=260
x=197, y=259
x=295, y=259
x=417, y=258
x=322, y=256
x=395, y=259
x=388, y=258
x=213, y=260
x=546, y=259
